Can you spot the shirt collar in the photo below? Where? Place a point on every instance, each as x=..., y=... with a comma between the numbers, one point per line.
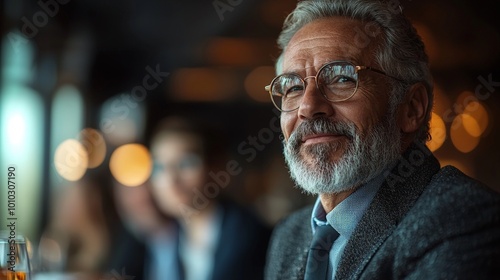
x=346, y=215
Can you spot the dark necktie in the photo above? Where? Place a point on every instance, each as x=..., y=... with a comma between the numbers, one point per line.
x=180, y=265
x=318, y=258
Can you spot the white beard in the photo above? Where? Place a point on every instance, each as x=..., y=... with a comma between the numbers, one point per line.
x=363, y=158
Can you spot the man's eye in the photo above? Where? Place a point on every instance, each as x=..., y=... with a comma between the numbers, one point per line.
x=341, y=80
x=294, y=91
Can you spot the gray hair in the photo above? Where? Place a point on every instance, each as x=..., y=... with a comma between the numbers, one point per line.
x=400, y=53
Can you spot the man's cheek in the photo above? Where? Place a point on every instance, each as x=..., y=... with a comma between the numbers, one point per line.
x=287, y=122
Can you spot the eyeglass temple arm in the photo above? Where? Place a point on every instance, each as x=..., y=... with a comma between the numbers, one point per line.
x=358, y=68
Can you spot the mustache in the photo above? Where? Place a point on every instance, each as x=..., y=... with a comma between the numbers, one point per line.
x=320, y=126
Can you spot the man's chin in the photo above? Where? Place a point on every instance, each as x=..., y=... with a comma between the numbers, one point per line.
x=321, y=152
x=324, y=189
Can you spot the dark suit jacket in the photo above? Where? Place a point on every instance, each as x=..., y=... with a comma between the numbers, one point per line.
x=242, y=247
x=127, y=255
x=424, y=223
x=240, y=254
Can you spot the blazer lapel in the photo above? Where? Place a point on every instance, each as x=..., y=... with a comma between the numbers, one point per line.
x=298, y=251
x=399, y=191
x=302, y=261
x=291, y=247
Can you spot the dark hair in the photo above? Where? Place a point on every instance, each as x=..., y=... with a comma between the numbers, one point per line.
x=211, y=139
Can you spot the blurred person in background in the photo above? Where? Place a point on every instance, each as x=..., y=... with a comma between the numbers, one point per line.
x=146, y=245
x=77, y=239
x=219, y=239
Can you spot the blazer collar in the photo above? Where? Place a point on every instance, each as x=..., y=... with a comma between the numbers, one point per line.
x=399, y=191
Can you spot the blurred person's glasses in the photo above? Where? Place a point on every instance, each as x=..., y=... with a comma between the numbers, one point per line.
x=185, y=164
x=337, y=81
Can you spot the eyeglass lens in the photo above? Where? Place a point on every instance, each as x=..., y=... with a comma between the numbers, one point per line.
x=337, y=81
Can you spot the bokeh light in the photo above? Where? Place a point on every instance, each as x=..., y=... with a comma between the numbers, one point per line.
x=257, y=80
x=437, y=131
x=232, y=51
x=477, y=111
x=94, y=143
x=463, y=100
x=471, y=125
x=131, y=164
x=461, y=138
x=71, y=160
x=50, y=251
x=203, y=84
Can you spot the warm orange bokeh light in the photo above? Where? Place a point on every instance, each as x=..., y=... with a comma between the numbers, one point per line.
x=257, y=80
x=461, y=138
x=437, y=131
x=203, y=84
x=230, y=51
x=463, y=100
x=71, y=160
x=477, y=111
x=94, y=143
x=131, y=164
x=471, y=125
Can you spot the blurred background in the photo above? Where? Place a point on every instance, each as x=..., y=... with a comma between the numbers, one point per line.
x=81, y=79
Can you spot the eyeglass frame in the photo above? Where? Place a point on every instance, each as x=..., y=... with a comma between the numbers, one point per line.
x=357, y=68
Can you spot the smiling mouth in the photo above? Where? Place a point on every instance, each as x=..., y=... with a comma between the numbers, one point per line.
x=320, y=138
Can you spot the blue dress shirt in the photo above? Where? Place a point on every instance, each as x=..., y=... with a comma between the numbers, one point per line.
x=164, y=258
x=344, y=218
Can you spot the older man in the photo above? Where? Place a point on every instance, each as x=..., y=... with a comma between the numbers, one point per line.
x=355, y=94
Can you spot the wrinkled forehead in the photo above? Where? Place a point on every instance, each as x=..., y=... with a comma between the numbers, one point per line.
x=330, y=39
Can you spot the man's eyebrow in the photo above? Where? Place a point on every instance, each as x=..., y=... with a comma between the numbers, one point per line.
x=304, y=68
x=297, y=70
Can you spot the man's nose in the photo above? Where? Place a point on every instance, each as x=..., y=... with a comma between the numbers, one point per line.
x=314, y=104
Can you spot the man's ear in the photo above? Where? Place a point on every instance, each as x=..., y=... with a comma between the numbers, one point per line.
x=413, y=110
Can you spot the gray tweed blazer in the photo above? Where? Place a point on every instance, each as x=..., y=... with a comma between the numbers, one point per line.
x=424, y=223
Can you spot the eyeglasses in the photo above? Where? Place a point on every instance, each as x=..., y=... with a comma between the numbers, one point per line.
x=337, y=81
